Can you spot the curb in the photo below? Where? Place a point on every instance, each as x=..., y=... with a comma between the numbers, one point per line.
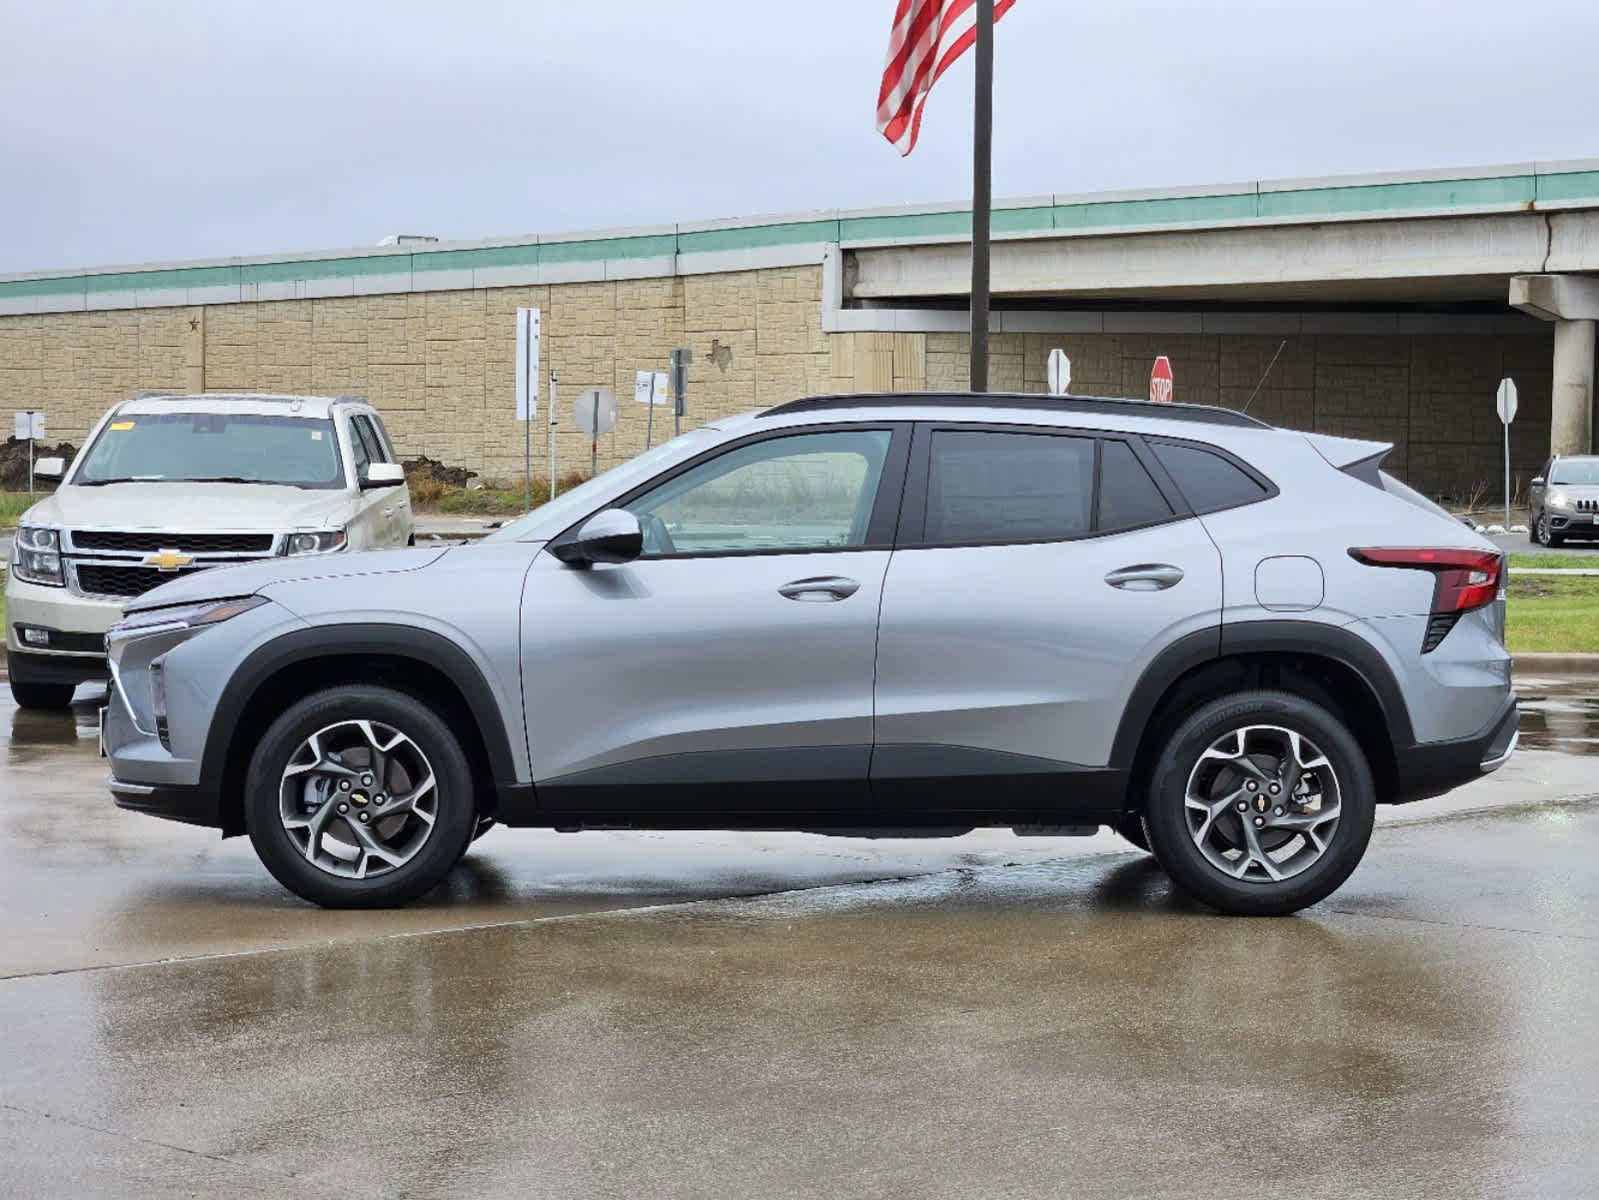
x=1555, y=663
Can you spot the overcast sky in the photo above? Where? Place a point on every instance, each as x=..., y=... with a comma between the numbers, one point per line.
x=199, y=128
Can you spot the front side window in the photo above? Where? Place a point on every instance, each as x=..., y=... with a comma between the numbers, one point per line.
x=213, y=447
x=371, y=444
x=798, y=492
x=1008, y=487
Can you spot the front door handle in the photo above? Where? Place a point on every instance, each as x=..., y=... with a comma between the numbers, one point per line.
x=1145, y=577
x=821, y=588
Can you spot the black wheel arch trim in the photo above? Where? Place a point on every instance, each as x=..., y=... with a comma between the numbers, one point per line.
x=1310, y=638
x=423, y=646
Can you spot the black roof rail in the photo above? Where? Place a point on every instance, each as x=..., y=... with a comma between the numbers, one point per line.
x=1200, y=413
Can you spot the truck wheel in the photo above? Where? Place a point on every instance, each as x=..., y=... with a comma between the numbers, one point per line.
x=359, y=797
x=1260, y=803
x=42, y=695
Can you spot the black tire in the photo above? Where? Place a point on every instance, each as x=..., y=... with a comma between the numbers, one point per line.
x=1131, y=827
x=1166, y=820
x=1534, y=531
x=42, y=695
x=455, y=819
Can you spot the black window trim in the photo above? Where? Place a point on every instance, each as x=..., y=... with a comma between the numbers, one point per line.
x=880, y=526
x=912, y=534
x=1271, y=489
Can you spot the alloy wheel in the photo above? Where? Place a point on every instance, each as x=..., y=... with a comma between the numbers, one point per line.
x=358, y=799
x=1262, y=803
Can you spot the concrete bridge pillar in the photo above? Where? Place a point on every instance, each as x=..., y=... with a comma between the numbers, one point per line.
x=1571, y=414
x=1572, y=303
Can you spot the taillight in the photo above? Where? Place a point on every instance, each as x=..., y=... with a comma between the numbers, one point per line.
x=1465, y=580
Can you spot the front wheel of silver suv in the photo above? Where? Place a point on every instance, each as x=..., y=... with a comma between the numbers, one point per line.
x=1260, y=803
x=360, y=797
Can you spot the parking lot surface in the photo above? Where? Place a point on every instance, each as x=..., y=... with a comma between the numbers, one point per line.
x=734, y=1015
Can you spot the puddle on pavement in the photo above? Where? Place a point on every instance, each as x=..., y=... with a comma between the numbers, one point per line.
x=1559, y=713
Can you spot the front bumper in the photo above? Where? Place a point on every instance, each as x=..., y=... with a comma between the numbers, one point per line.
x=81, y=621
x=1433, y=768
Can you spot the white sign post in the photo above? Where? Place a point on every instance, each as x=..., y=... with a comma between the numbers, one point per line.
x=650, y=387
x=30, y=427
x=527, y=389
x=1060, y=373
x=1506, y=403
x=594, y=410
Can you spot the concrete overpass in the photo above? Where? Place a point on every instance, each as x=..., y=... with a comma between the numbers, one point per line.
x=1441, y=251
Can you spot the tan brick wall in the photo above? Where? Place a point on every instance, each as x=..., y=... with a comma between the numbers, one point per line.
x=440, y=366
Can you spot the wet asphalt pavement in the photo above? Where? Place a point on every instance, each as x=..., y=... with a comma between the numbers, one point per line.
x=639, y=1015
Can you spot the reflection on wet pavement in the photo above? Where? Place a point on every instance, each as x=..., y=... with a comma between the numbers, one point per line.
x=1559, y=713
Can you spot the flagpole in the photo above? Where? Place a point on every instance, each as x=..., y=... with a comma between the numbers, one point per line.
x=982, y=191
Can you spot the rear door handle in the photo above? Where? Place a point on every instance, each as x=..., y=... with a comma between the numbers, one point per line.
x=1145, y=577
x=821, y=588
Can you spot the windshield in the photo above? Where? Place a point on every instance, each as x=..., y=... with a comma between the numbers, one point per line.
x=569, y=506
x=231, y=447
x=1576, y=471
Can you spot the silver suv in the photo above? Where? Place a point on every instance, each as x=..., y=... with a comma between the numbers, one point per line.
x=167, y=485
x=1565, y=499
x=886, y=615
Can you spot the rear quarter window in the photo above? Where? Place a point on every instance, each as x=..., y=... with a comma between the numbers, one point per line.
x=1207, y=480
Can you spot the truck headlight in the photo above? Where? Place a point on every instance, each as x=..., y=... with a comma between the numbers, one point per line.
x=321, y=541
x=37, y=557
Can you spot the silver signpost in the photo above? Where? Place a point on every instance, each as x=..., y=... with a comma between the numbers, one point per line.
x=30, y=427
x=595, y=413
x=527, y=390
x=552, y=433
x=1506, y=403
x=680, y=362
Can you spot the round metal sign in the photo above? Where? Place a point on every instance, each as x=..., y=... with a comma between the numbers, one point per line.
x=594, y=410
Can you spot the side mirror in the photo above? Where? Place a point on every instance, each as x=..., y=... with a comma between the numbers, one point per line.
x=612, y=536
x=50, y=468
x=1537, y=481
x=382, y=475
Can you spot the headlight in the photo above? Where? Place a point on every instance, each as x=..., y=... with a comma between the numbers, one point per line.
x=181, y=616
x=324, y=541
x=1557, y=499
x=37, y=557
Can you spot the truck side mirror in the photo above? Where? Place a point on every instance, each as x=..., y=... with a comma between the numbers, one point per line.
x=50, y=468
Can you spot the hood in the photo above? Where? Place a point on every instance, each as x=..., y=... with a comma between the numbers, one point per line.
x=192, y=507
x=216, y=583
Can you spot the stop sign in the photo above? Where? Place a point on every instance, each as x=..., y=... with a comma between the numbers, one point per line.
x=1160, y=381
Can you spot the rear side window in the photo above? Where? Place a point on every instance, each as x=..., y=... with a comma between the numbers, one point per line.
x=1207, y=480
x=1128, y=497
x=1008, y=487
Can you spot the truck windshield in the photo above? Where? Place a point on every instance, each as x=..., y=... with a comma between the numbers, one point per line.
x=1576, y=471
x=224, y=447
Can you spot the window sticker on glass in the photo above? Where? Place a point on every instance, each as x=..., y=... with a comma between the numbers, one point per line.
x=121, y=424
x=316, y=435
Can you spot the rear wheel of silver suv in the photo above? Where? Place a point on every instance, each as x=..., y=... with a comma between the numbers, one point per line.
x=359, y=797
x=1260, y=803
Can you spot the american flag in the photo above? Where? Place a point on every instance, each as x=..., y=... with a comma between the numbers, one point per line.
x=928, y=35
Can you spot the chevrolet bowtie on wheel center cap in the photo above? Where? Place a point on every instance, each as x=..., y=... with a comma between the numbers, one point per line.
x=1262, y=803
x=359, y=799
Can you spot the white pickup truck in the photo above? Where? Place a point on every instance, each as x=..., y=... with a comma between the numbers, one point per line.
x=167, y=485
